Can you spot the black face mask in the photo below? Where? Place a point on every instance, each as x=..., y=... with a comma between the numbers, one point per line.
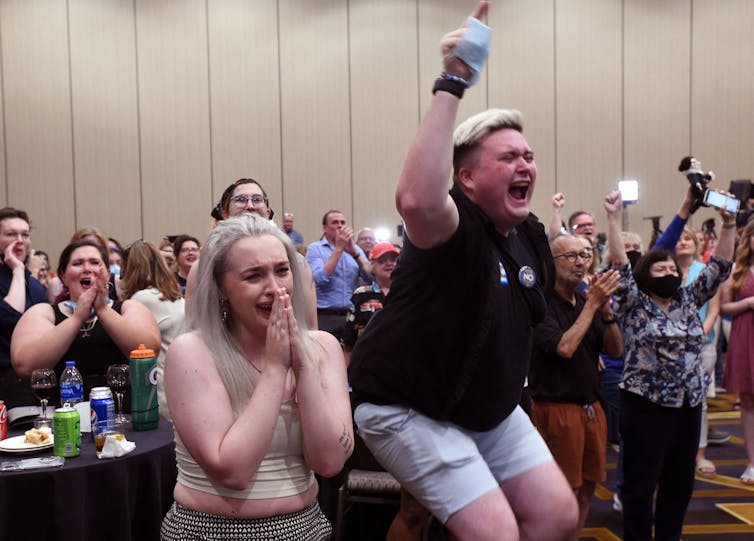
x=633, y=256
x=664, y=286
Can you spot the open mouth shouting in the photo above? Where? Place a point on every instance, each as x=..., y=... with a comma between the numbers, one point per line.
x=519, y=189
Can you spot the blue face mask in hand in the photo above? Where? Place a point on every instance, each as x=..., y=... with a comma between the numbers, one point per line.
x=474, y=47
x=664, y=286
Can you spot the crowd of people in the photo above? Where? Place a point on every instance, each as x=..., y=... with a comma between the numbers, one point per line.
x=486, y=362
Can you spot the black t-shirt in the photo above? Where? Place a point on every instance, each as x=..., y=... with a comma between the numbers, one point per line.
x=553, y=378
x=453, y=339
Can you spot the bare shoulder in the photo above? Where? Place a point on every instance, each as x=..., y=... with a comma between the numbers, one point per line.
x=41, y=310
x=189, y=349
x=326, y=341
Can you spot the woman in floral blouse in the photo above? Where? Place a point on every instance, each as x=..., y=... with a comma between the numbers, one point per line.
x=662, y=384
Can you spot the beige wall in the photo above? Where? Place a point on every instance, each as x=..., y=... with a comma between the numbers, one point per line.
x=134, y=115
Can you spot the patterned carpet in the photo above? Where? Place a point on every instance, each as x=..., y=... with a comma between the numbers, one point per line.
x=721, y=508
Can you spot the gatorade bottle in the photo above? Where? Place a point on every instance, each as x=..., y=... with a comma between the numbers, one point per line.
x=71, y=385
x=144, y=412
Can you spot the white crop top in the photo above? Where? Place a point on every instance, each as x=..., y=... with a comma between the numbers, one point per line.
x=282, y=472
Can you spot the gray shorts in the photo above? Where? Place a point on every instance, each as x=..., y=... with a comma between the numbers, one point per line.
x=442, y=465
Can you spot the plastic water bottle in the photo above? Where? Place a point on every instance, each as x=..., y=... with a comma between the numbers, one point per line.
x=144, y=412
x=71, y=384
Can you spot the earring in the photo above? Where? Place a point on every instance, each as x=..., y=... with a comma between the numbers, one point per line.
x=224, y=310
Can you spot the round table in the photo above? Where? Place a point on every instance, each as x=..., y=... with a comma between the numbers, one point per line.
x=87, y=498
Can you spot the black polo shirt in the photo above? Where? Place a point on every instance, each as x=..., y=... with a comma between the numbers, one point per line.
x=553, y=378
x=453, y=340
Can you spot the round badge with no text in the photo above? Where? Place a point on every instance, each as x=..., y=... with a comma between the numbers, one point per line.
x=527, y=277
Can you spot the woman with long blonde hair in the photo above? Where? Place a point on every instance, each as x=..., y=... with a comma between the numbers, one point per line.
x=259, y=402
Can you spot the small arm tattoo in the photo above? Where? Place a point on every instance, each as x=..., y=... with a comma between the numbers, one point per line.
x=345, y=440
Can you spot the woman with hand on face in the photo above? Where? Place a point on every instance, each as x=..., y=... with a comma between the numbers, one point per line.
x=662, y=386
x=87, y=327
x=259, y=403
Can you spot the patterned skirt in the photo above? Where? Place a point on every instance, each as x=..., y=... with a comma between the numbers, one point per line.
x=183, y=524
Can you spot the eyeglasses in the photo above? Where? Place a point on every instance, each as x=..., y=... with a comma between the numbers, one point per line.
x=242, y=200
x=571, y=256
x=582, y=226
x=189, y=250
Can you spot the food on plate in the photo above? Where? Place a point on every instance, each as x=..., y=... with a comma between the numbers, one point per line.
x=38, y=437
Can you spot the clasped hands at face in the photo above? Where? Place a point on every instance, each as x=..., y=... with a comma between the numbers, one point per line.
x=284, y=348
x=93, y=297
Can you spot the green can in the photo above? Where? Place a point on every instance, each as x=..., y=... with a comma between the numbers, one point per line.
x=66, y=427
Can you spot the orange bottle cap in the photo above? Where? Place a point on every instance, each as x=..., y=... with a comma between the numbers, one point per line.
x=142, y=352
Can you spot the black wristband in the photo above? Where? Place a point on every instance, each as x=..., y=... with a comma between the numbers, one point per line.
x=446, y=85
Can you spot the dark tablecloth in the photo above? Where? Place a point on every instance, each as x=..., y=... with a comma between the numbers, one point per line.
x=91, y=499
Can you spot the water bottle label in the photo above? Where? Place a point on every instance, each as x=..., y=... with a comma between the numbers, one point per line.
x=71, y=391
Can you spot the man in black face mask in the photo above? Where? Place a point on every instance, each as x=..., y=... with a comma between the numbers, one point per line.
x=662, y=387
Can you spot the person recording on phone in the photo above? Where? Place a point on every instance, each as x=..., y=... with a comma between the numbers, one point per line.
x=19, y=291
x=436, y=383
x=663, y=382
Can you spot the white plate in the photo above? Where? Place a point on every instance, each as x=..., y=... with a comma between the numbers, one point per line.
x=17, y=445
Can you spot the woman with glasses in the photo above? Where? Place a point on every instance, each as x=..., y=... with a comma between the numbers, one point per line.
x=662, y=387
x=86, y=326
x=259, y=402
x=148, y=280
x=186, y=250
x=247, y=195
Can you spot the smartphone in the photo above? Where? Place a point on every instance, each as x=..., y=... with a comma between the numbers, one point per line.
x=720, y=200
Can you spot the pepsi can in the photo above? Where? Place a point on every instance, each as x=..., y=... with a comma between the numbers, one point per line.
x=101, y=406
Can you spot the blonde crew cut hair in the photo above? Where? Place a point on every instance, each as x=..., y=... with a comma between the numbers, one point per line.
x=204, y=313
x=469, y=132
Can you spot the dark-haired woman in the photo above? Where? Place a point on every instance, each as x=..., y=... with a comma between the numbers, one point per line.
x=247, y=195
x=662, y=387
x=149, y=281
x=186, y=250
x=88, y=327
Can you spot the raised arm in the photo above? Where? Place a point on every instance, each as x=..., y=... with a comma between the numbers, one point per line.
x=422, y=199
x=672, y=233
x=556, y=221
x=726, y=244
x=614, y=208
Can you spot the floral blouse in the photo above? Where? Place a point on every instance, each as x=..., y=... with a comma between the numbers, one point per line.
x=663, y=351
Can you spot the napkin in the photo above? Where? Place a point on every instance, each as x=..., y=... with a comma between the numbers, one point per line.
x=114, y=447
x=84, y=418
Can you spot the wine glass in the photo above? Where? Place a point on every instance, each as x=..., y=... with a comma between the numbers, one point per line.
x=43, y=384
x=118, y=378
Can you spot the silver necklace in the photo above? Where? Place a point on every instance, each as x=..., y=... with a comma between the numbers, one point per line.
x=87, y=326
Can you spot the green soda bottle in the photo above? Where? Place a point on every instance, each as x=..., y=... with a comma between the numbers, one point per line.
x=144, y=412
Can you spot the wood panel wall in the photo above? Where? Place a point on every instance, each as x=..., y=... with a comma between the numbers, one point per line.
x=134, y=115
